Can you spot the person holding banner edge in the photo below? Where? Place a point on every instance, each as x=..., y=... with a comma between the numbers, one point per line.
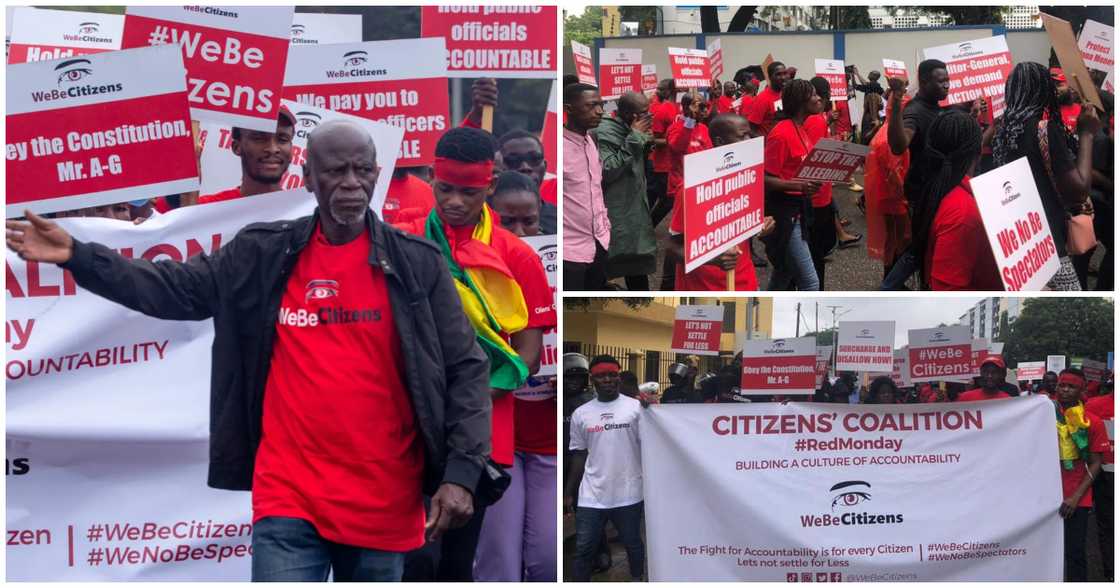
x=262, y=382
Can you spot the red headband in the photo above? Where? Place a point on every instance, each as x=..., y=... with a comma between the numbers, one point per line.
x=1071, y=378
x=605, y=367
x=461, y=173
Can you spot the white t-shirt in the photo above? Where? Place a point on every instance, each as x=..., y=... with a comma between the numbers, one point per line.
x=609, y=432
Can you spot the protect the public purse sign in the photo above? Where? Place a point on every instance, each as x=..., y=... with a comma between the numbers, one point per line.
x=98, y=129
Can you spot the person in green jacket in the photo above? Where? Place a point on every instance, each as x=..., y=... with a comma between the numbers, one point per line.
x=624, y=145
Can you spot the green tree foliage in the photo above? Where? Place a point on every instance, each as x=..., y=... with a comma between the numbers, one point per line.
x=824, y=337
x=1074, y=327
x=583, y=28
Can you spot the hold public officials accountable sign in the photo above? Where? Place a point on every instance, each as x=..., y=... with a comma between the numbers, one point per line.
x=976, y=68
x=402, y=83
x=107, y=411
x=779, y=366
x=696, y=329
x=1016, y=225
x=620, y=71
x=943, y=353
x=97, y=129
x=39, y=35
x=853, y=493
x=865, y=346
x=691, y=68
x=221, y=168
x=494, y=41
x=722, y=199
x=235, y=56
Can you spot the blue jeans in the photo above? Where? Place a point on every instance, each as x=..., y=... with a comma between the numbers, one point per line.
x=799, y=269
x=291, y=550
x=589, y=530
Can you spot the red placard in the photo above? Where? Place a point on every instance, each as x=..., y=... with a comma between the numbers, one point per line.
x=649, y=77
x=235, y=57
x=585, y=69
x=494, y=41
x=548, y=131
x=976, y=68
x=691, y=68
x=723, y=199
x=824, y=359
x=940, y=354
x=620, y=71
x=779, y=366
x=893, y=68
x=402, y=83
x=715, y=55
x=1030, y=371
x=833, y=71
x=696, y=329
x=97, y=130
x=832, y=161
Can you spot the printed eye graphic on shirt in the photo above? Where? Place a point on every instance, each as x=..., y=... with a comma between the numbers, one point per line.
x=320, y=290
x=849, y=494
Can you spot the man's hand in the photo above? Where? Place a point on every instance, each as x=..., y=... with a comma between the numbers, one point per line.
x=1088, y=122
x=569, y=504
x=898, y=88
x=642, y=124
x=809, y=188
x=452, y=507
x=727, y=260
x=484, y=92
x=768, y=225
x=39, y=240
x=1068, y=507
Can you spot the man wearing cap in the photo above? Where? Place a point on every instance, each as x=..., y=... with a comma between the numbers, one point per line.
x=992, y=374
x=606, y=471
x=1069, y=101
x=265, y=158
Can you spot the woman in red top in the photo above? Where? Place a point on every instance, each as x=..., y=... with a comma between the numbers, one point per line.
x=947, y=224
x=788, y=200
x=823, y=223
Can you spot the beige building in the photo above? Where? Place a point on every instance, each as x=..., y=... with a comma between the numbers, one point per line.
x=640, y=337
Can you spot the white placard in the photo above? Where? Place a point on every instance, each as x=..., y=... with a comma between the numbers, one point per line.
x=545, y=246
x=1096, y=45
x=865, y=346
x=1055, y=363
x=311, y=28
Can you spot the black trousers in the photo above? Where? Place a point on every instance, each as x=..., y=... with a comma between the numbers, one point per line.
x=1076, y=531
x=1104, y=508
x=587, y=276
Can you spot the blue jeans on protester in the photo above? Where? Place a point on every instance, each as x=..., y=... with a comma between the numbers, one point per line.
x=291, y=550
x=589, y=530
x=799, y=269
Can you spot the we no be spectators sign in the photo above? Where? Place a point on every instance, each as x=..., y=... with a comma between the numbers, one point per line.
x=495, y=41
x=39, y=35
x=723, y=196
x=235, y=57
x=402, y=83
x=98, y=129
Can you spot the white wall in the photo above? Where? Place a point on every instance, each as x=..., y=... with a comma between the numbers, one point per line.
x=796, y=50
x=1029, y=46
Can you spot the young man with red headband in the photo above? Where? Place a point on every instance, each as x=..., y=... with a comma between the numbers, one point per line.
x=1081, y=442
x=606, y=471
x=1104, y=408
x=504, y=290
x=993, y=372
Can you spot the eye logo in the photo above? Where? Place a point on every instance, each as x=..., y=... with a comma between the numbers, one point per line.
x=779, y=343
x=297, y=30
x=846, y=495
x=73, y=70
x=548, y=253
x=308, y=120
x=320, y=290
x=355, y=58
x=865, y=332
x=728, y=157
x=87, y=28
x=963, y=47
x=1008, y=188
x=606, y=416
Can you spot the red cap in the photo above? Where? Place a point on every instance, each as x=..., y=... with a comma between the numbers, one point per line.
x=996, y=359
x=284, y=112
x=1057, y=74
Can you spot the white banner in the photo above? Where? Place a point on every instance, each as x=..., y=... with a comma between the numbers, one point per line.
x=865, y=346
x=109, y=409
x=545, y=246
x=807, y=492
x=309, y=28
x=221, y=168
x=1096, y=45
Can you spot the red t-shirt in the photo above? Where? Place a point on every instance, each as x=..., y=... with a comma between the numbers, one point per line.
x=723, y=104
x=958, y=256
x=683, y=140
x=787, y=145
x=407, y=199
x=525, y=265
x=1098, y=443
x=745, y=103
x=548, y=191
x=816, y=128
x=1103, y=408
x=1070, y=112
x=231, y=194
x=535, y=419
x=664, y=113
x=977, y=394
x=844, y=123
x=340, y=447
x=763, y=110
x=709, y=278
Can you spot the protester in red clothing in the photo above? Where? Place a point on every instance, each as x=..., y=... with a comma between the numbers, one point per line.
x=409, y=197
x=265, y=158
x=746, y=99
x=993, y=373
x=823, y=221
x=726, y=129
x=721, y=102
x=462, y=180
x=687, y=134
x=1080, y=466
x=1104, y=408
x=765, y=106
x=664, y=112
x=946, y=224
x=1069, y=103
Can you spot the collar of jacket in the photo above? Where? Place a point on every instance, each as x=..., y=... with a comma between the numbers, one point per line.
x=377, y=253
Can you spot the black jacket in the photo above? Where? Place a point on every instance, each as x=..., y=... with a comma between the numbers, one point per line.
x=240, y=287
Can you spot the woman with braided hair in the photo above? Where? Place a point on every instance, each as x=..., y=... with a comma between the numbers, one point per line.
x=1060, y=163
x=946, y=224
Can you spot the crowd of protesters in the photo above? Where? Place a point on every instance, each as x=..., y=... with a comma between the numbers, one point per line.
x=624, y=173
x=481, y=195
x=603, y=479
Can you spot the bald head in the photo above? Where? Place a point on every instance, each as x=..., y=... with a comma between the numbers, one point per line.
x=336, y=134
x=341, y=170
x=633, y=103
x=728, y=128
